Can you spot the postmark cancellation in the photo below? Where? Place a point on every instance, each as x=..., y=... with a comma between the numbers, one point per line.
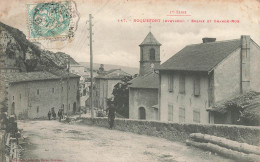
x=52, y=20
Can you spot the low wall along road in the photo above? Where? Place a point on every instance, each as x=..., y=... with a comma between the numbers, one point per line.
x=179, y=131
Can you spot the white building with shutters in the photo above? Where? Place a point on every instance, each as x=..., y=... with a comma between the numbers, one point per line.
x=200, y=75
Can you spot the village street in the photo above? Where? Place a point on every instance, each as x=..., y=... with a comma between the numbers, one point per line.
x=55, y=141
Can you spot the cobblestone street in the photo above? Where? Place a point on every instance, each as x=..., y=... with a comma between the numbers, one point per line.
x=55, y=141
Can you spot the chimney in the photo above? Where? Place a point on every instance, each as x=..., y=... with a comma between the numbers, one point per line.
x=207, y=40
x=245, y=63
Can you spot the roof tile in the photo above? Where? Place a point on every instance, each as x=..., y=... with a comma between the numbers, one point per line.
x=150, y=80
x=150, y=40
x=200, y=57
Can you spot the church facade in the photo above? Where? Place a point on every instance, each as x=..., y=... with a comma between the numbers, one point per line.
x=143, y=90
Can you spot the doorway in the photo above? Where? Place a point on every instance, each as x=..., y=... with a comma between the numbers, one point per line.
x=74, y=107
x=142, y=114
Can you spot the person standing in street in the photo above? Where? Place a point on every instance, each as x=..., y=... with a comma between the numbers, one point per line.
x=54, y=115
x=111, y=115
x=60, y=114
x=49, y=115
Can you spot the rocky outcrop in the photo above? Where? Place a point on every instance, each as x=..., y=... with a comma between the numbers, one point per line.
x=18, y=52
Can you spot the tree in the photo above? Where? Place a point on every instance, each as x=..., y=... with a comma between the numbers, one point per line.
x=3, y=100
x=121, y=96
x=4, y=105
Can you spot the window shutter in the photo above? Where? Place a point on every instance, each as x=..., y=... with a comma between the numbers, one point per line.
x=181, y=114
x=170, y=82
x=197, y=86
x=196, y=116
x=170, y=112
x=182, y=84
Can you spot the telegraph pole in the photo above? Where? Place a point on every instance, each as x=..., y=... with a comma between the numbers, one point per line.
x=91, y=65
x=68, y=86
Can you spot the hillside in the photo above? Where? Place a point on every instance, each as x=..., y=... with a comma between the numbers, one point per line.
x=130, y=70
x=17, y=51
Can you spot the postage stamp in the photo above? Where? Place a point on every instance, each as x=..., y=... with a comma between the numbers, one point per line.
x=50, y=20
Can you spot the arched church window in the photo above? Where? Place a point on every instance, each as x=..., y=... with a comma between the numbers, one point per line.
x=152, y=54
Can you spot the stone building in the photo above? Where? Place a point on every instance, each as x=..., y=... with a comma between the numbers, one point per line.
x=143, y=90
x=104, y=85
x=200, y=75
x=33, y=94
x=149, y=54
x=143, y=97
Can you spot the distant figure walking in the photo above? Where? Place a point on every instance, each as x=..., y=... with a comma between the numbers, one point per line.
x=49, y=115
x=54, y=115
x=60, y=114
x=111, y=115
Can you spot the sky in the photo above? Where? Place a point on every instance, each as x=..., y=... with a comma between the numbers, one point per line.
x=118, y=42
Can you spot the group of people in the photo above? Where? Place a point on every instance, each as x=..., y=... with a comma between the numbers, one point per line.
x=52, y=114
x=110, y=111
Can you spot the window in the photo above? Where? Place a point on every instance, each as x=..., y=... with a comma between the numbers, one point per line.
x=69, y=87
x=196, y=86
x=84, y=92
x=170, y=112
x=13, y=97
x=38, y=109
x=69, y=106
x=38, y=91
x=152, y=54
x=52, y=90
x=170, y=82
x=20, y=96
x=196, y=116
x=182, y=84
x=181, y=114
x=61, y=89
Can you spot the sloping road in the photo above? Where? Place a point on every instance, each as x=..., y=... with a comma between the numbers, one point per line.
x=55, y=141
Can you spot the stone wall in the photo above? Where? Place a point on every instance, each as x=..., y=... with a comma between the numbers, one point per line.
x=179, y=131
x=227, y=77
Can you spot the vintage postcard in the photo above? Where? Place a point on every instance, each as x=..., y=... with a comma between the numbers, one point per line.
x=129, y=80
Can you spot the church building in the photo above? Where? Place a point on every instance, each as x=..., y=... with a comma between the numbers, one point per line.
x=143, y=90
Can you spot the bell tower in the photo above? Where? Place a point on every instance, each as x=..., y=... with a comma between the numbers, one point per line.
x=149, y=54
